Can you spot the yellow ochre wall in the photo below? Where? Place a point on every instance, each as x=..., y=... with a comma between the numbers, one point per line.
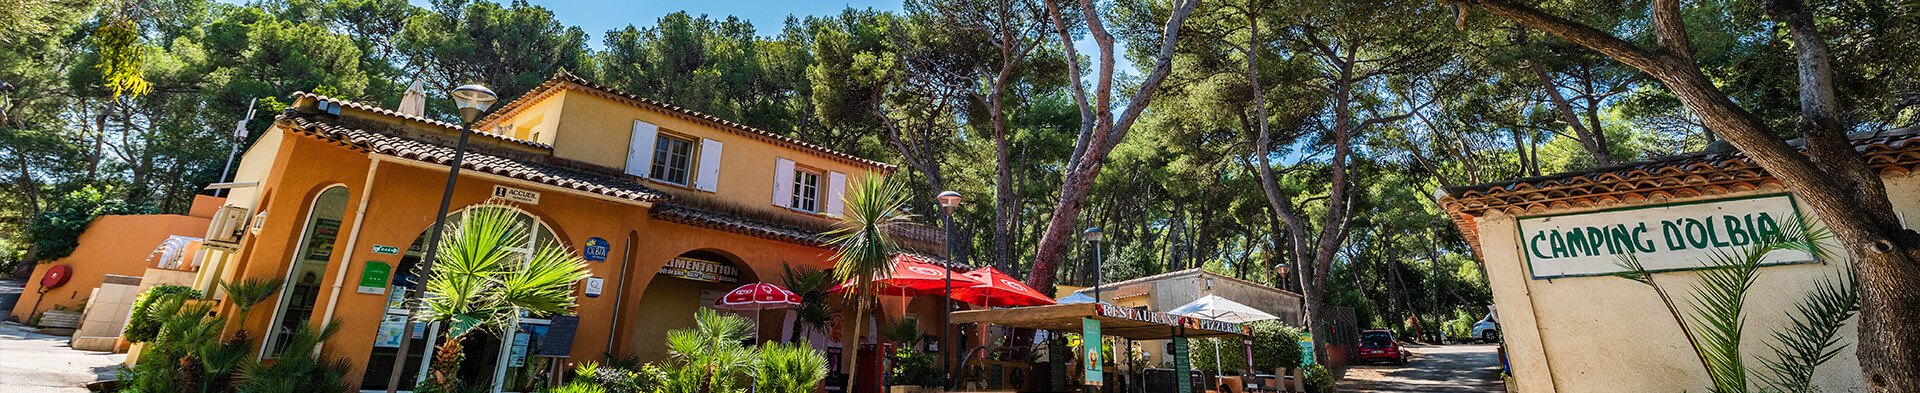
x=400, y=207
x=1609, y=334
x=597, y=130
x=117, y=245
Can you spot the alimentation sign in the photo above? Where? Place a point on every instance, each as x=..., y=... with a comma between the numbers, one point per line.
x=1678, y=236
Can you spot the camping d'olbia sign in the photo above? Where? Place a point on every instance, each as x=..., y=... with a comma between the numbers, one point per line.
x=1678, y=236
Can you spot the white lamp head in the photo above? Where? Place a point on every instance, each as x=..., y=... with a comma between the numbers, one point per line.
x=473, y=100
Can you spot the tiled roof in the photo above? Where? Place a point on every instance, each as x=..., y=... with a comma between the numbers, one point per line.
x=375, y=142
x=1706, y=173
x=687, y=215
x=563, y=79
x=389, y=112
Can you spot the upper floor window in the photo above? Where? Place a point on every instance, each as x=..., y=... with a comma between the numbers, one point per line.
x=672, y=158
x=806, y=190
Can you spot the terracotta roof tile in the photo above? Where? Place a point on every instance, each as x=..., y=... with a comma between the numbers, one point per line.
x=389, y=112
x=375, y=142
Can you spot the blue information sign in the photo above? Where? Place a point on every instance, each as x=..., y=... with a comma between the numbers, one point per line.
x=596, y=250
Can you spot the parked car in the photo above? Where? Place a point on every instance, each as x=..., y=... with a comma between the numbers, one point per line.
x=1488, y=329
x=1379, y=345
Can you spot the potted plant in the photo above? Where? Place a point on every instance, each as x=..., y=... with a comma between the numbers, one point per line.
x=915, y=372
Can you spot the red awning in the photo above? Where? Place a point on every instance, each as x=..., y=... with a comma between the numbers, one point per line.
x=912, y=276
x=1000, y=290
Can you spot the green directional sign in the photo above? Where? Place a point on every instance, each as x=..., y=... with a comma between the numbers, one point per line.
x=389, y=250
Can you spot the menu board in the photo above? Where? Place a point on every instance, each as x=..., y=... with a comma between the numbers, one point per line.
x=558, y=342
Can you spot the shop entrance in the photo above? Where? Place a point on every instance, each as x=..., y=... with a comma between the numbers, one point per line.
x=503, y=362
x=690, y=281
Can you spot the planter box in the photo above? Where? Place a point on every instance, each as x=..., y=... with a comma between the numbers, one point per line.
x=914, y=389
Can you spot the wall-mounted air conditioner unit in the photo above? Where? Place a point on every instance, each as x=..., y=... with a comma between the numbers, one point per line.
x=228, y=227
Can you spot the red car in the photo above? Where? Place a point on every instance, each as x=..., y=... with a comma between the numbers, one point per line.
x=1379, y=345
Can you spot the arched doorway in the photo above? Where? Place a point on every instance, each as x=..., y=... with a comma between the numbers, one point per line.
x=687, y=283
x=502, y=361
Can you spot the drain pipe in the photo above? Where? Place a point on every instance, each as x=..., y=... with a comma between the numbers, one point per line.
x=619, y=293
x=353, y=242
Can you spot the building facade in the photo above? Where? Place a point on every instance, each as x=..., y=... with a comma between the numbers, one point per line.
x=670, y=207
x=1167, y=291
x=1550, y=244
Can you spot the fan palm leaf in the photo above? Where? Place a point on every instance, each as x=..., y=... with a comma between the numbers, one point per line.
x=483, y=276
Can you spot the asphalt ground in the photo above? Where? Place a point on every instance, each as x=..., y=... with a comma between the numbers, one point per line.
x=1441, y=368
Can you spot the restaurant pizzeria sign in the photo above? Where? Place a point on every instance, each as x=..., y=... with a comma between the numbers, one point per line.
x=1667, y=237
x=1134, y=314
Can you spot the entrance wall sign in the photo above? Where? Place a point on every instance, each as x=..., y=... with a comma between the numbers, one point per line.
x=1670, y=237
x=373, y=277
x=530, y=197
x=594, y=286
x=698, y=270
x=595, y=250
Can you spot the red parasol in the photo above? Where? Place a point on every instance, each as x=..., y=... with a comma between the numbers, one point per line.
x=1000, y=290
x=912, y=276
x=757, y=296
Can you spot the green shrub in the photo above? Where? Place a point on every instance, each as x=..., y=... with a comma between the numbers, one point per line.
x=790, y=368
x=1318, y=376
x=915, y=368
x=148, y=315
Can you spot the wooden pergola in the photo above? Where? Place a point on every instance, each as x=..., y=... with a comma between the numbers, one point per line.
x=1117, y=321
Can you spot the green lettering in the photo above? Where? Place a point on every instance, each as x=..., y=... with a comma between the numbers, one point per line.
x=1577, y=243
x=1622, y=239
x=1641, y=244
x=1696, y=233
x=1735, y=234
x=1713, y=236
x=1767, y=228
x=1533, y=245
x=1597, y=237
x=1675, y=239
x=1559, y=244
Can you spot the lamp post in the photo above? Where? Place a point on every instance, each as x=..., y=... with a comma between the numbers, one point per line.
x=950, y=200
x=472, y=100
x=1093, y=235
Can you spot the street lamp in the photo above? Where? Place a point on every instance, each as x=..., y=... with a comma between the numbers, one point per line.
x=472, y=100
x=949, y=201
x=1093, y=235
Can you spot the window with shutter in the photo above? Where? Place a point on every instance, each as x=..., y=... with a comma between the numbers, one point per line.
x=672, y=158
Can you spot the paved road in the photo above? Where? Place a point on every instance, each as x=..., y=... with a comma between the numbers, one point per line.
x=1447, y=368
x=32, y=362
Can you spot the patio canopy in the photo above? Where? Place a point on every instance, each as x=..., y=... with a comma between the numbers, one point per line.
x=1131, y=323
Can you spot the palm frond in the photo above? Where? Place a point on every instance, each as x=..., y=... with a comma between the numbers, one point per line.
x=1814, y=337
x=863, y=242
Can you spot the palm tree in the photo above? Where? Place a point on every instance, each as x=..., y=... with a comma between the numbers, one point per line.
x=811, y=284
x=863, y=241
x=709, y=357
x=247, y=293
x=480, y=281
x=790, y=368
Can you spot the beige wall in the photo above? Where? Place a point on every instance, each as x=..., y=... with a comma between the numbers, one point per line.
x=1609, y=334
x=597, y=130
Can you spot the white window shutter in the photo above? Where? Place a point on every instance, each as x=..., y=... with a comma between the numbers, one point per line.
x=709, y=178
x=782, y=182
x=836, y=191
x=640, y=148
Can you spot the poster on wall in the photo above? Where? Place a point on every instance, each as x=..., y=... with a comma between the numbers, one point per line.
x=1090, y=339
x=1679, y=236
x=517, y=355
x=390, y=331
x=320, y=241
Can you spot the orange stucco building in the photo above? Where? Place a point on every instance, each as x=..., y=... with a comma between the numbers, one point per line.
x=112, y=246
x=671, y=208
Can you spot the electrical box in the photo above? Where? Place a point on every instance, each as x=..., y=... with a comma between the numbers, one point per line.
x=228, y=227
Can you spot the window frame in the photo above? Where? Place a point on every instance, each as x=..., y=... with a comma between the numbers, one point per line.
x=662, y=166
x=800, y=174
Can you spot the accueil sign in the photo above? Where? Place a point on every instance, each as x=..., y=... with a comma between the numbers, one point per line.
x=1677, y=236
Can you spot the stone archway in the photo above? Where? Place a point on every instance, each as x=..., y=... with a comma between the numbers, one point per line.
x=683, y=285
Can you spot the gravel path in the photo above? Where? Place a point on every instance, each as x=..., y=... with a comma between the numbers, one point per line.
x=33, y=362
x=1449, y=368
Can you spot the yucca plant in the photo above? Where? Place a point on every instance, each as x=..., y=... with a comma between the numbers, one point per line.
x=300, y=369
x=790, y=368
x=811, y=284
x=709, y=358
x=478, y=281
x=863, y=241
x=246, y=294
x=1715, y=323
